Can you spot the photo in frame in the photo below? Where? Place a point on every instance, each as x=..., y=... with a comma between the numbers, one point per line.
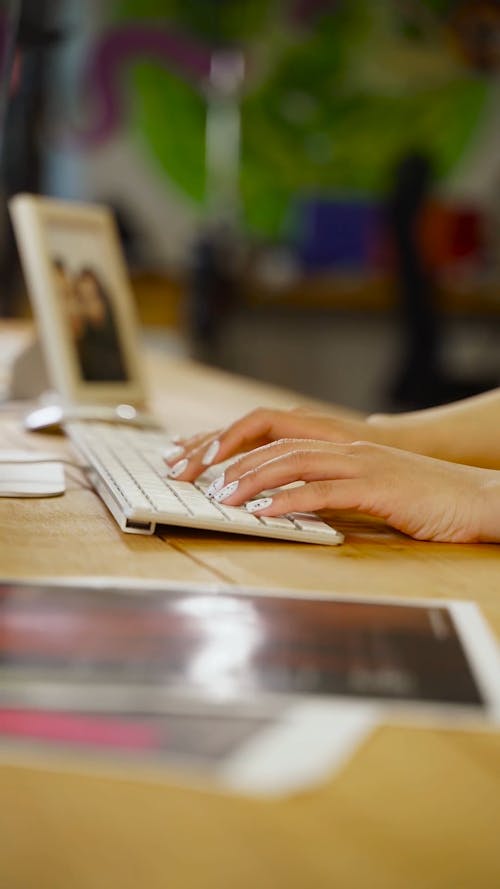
x=80, y=293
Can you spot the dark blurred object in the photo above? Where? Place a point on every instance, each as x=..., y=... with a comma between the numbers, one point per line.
x=36, y=23
x=9, y=22
x=421, y=381
x=213, y=290
x=216, y=262
x=20, y=162
x=476, y=28
x=416, y=289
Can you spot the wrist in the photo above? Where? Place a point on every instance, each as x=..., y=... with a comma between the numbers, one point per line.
x=398, y=431
x=489, y=505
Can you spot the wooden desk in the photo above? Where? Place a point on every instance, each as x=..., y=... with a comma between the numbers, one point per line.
x=413, y=808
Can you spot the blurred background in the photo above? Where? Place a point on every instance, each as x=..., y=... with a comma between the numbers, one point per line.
x=308, y=191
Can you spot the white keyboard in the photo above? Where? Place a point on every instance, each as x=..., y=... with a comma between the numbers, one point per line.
x=130, y=475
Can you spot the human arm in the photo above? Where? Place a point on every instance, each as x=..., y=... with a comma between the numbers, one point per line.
x=425, y=498
x=464, y=432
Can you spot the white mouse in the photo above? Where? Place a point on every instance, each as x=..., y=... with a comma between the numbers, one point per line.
x=31, y=479
x=19, y=456
x=52, y=417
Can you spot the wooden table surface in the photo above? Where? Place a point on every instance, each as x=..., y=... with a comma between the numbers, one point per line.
x=414, y=807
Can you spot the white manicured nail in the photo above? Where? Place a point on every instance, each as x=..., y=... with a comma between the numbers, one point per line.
x=256, y=505
x=210, y=453
x=178, y=468
x=216, y=485
x=172, y=452
x=226, y=492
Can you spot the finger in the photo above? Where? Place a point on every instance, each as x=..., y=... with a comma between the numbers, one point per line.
x=248, y=431
x=254, y=459
x=260, y=427
x=192, y=440
x=172, y=452
x=294, y=466
x=188, y=448
x=311, y=497
x=190, y=464
x=257, y=457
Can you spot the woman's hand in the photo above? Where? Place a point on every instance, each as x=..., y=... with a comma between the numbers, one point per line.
x=260, y=427
x=463, y=432
x=426, y=498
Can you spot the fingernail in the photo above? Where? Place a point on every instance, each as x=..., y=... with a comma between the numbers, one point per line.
x=216, y=485
x=172, y=452
x=226, y=492
x=210, y=453
x=256, y=505
x=179, y=468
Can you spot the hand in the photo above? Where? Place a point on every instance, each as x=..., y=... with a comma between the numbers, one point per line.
x=426, y=498
x=260, y=427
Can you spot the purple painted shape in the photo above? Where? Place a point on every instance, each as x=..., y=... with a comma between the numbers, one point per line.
x=128, y=43
x=340, y=234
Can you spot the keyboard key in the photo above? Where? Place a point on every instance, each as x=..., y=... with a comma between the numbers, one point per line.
x=278, y=522
x=315, y=526
x=195, y=501
x=239, y=516
x=166, y=501
x=156, y=462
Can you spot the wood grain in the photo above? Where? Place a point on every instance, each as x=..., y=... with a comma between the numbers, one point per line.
x=415, y=808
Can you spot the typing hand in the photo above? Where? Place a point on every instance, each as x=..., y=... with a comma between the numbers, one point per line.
x=261, y=427
x=426, y=498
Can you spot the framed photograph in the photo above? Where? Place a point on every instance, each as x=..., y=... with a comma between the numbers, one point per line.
x=81, y=297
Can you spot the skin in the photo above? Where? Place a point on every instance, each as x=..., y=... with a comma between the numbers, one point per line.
x=263, y=426
x=463, y=432
x=425, y=498
x=388, y=467
x=92, y=306
x=69, y=300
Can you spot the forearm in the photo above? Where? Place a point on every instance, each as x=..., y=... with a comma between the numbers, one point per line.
x=490, y=510
x=467, y=431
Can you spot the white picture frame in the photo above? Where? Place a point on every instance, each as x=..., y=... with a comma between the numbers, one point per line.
x=81, y=298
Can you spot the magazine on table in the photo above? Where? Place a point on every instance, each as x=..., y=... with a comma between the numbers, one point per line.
x=262, y=690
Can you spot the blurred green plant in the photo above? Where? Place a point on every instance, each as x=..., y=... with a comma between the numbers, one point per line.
x=329, y=106
x=216, y=21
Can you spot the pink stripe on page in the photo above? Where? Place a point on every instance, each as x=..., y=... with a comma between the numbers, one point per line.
x=81, y=729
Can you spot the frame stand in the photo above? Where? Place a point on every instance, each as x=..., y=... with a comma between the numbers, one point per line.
x=29, y=377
